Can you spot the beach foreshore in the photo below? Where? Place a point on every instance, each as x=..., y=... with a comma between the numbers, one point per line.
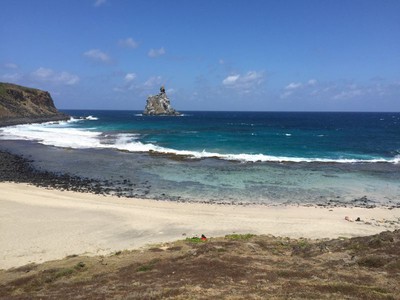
x=38, y=224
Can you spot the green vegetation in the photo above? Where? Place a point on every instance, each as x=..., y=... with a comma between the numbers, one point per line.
x=195, y=240
x=302, y=243
x=3, y=92
x=62, y=273
x=147, y=267
x=239, y=236
x=5, y=86
x=80, y=265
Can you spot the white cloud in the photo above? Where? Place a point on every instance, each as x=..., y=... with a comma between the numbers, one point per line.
x=130, y=77
x=128, y=84
x=298, y=88
x=230, y=80
x=43, y=73
x=67, y=78
x=98, y=3
x=151, y=85
x=97, y=55
x=293, y=86
x=128, y=43
x=253, y=77
x=244, y=82
x=48, y=75
x=338, y=90
x=156, y=52
x=348, y=94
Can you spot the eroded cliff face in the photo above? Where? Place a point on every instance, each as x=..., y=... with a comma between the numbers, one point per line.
x=19, y=104
x=159, y=105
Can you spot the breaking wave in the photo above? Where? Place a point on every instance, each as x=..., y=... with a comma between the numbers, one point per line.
x=62, y=134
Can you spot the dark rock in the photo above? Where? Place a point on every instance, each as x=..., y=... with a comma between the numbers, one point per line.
x=159, y=105
x=14, y=168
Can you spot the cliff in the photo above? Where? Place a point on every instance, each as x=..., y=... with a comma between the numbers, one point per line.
x=159, y=105
x=19, y=105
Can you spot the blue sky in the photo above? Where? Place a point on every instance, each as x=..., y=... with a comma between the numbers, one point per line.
x=260, y=55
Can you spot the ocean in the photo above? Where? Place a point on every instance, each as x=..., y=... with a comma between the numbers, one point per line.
x=225, y=157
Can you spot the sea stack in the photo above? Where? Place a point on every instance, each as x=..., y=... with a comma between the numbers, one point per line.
x=159, y=105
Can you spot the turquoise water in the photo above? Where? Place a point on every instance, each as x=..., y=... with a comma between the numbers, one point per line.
x=273, y=136
x=229, y=157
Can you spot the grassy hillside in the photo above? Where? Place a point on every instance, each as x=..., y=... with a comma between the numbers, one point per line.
x=20, y=104
x=230, y=267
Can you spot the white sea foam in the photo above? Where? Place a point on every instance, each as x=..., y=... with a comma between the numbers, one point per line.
x=64, y=135
x=73, y=120
x=53, y=135
x=125, y=139
x=81, y=119
x=396, y=159
x=140, y=147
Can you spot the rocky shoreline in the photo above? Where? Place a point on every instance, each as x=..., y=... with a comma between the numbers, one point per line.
x=17, y=168
x=29, y=120
x=14, y=168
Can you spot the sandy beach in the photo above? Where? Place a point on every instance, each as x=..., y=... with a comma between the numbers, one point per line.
x=38, y=225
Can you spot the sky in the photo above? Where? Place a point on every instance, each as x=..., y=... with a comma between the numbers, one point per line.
x=241, y=55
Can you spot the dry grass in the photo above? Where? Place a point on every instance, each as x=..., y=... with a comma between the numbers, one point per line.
x=233, y=267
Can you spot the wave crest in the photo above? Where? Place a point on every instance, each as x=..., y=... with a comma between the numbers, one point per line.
x=63, y=135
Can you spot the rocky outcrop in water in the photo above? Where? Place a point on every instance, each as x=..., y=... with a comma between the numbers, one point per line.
x=159, y=105
x=19, y=104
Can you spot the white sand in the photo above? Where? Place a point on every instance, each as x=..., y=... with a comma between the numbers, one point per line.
x=38, y=225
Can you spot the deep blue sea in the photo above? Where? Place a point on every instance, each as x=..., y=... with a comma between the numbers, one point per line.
x=268, y=157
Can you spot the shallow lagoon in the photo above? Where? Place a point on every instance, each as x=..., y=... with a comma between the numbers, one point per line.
x=175, y=178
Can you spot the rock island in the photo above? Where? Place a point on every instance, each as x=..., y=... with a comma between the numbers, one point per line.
x=159, y=105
